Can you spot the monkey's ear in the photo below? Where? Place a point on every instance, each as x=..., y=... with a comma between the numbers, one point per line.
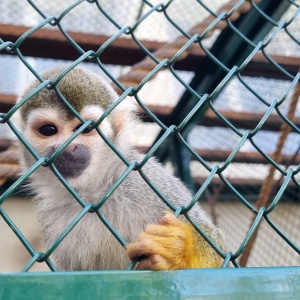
x=123, y=116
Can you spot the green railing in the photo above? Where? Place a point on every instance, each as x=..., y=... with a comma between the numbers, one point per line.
x=239, y=41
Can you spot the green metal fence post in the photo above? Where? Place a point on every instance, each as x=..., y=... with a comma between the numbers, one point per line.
x=234, y=44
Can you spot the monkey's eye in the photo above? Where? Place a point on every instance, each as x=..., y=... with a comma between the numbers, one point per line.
x=48, y=130
x=85, y=131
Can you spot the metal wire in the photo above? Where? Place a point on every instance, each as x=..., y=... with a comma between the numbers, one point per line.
x=176, y=129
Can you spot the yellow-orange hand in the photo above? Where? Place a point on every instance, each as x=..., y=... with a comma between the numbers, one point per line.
x=171, y=245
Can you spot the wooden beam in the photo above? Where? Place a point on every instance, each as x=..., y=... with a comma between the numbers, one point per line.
x=261, y=67
x=6, y=102
x=241, y=157
x=241, y=120
x=47, y=43
x=234, y=181
x=244, y=120
x=251, y=183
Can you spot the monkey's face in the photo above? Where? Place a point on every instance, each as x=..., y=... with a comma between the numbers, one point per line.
x=47, y=130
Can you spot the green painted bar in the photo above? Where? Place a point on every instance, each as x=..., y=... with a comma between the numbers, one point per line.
x=245, y=283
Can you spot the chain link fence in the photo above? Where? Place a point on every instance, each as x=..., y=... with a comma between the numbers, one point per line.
x=254, y=201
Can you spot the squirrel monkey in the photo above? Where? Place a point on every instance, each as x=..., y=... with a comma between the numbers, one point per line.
x=156, y=238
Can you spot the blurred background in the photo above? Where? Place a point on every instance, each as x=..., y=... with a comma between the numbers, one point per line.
x=243, y=103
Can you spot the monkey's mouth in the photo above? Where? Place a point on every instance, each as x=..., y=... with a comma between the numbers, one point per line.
x=72, y=161
x=70, y=169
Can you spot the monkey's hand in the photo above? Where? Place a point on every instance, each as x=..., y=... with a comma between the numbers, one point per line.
x=174, y=244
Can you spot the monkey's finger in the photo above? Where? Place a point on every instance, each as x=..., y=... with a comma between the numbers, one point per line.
x=170, y=219
x=139, y=249
x=164, y=231
x=134, y=251
x=173, y=242
x=169, y=249
x=145, y=247
x=154, y=263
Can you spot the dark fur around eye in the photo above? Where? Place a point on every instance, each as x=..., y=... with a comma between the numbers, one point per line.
x=48, y=130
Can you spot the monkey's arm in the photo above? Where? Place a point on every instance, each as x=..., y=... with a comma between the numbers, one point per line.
x=174, y=244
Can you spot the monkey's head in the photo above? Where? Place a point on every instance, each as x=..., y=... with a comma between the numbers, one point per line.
x=46, y=122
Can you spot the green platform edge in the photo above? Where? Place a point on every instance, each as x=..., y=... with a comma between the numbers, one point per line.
x=242, y=283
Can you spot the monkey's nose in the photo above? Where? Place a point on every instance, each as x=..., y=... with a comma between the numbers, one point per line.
x=72, y=161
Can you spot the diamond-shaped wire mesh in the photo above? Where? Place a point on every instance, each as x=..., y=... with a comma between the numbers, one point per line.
x=210, y=29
